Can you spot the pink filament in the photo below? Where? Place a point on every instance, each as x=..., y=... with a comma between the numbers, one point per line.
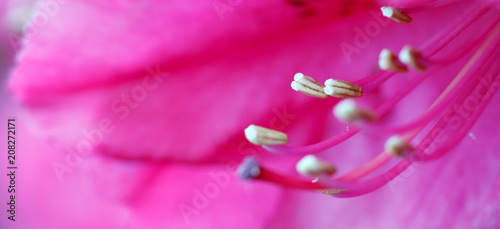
x=460, y=133
x=333, y=141
x=315, y=148
x=467, y=46
x=366, y=169
x=440, y=106
x=373, y=81
x=287, y=181
x=437, y=44
x=469, y=81
x=323, y=183
x=427, y=6
x=379, y=181
x=353, y=189
x=488, y=56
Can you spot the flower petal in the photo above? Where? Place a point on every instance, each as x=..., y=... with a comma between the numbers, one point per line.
x=77, y=44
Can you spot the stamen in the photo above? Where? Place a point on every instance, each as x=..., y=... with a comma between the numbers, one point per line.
x=411, y=57
x=461, y=132
x=467, y=45
x=351, y=131
x=263, y=136
x=482, y=59
x=433, y=46
x=376, y=182
x=395, y=14
x=308, y=86
x=462, y=79
x=322, y=183
x=348, y=111
x=283, y=180
x=488, y=59
x=312, y=166
x=389, y=61
x=397, y=146
x=460, y=89
x=342, y=89
x=436, y=44
x=249, y=168
x=314, y=148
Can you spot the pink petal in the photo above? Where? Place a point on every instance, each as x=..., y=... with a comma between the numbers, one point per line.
x=110, y=37
x=189, y=100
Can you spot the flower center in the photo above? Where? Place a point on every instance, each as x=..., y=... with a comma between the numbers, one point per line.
x=452, y=114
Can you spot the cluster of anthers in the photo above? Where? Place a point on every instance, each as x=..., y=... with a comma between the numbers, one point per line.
x=464, y=99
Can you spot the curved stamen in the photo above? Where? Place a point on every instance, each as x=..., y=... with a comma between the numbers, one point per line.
x=377, y=78
x=473, y=93
x=480, y=57
x=467, y=86
x=314, y=148
x=461, y=133
x=350, y=130
x=418, y=153
x=373, y=82
x=432, y=47
x=467, y=45
x=335, y=186
x=249, y=169
x=456, y=87
x=489, y=57
x=461, y=24
x=268, y=175
x=341, y=188
x=376, y=182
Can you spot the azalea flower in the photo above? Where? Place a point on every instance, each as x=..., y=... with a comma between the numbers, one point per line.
x=136, y=110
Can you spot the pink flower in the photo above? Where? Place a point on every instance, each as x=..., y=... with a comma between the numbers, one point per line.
x=136, y=114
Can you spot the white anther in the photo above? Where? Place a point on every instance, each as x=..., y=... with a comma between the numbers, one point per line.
x=395, y=14
x=389, y=61
x=308, y=86
x=397, y=146
x=312, y=166
x=342, y=89
x=411, y=57
x=263, y=136
x=348, y=111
